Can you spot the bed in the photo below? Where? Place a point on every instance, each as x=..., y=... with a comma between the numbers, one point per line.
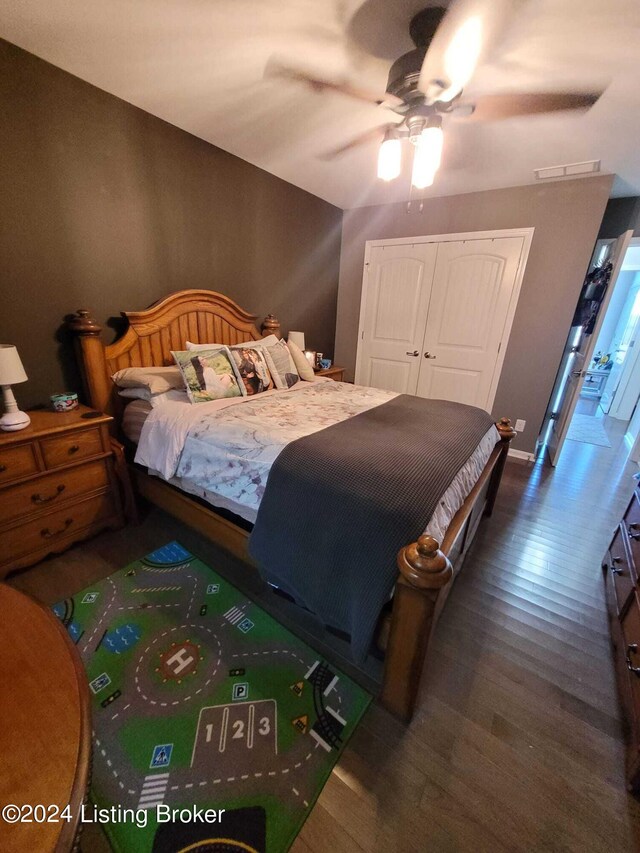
x=425, y=568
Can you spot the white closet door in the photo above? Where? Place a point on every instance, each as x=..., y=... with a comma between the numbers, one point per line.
x=473, y=286
x=397, y=287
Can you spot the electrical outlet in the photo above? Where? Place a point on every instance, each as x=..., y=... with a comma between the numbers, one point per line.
x=520, y=425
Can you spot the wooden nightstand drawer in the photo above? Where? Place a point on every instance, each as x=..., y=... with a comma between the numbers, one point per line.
x=16, y=462
x=64, y=449
x=50, y=531
x=48, y=491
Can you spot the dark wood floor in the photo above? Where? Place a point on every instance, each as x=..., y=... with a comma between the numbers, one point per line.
x=516, y=744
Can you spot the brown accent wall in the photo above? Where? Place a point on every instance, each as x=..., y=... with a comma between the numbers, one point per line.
x=566, y=216
x=106, y=207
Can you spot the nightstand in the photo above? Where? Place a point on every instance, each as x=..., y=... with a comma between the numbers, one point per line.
x=335, y=373
x=58, y=485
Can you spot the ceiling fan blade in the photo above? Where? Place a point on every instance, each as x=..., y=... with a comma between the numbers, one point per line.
x=362, y=139
x=498, y=107
x=276, y=69
x=467, y=35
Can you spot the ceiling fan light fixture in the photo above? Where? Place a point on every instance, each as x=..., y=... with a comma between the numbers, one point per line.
x=427, y=154
x=389, y=157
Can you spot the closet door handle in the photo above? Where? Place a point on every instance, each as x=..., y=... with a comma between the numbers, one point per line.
x=415, y=353
x=428, y=355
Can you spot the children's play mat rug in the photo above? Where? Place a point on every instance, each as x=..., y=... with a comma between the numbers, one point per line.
x=201, y=701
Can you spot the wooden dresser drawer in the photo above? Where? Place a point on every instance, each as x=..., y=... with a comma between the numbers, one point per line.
x=631, y=524
x=629, y=659
x=48, y=530
x=64, y=449
x=616, y=563
x=49, y=490
x=16, y=462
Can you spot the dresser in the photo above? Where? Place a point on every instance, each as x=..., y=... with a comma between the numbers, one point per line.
x=620, y=566
x=57, y=485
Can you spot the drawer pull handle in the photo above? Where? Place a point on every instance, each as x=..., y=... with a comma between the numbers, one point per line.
x=3, y=468
x=612, y=567
x=47, y=534
x=40, y=499
x=632, y=648
x=74, y=448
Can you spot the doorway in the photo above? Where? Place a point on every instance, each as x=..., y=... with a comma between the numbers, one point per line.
x=596, y=398
x=436, y=313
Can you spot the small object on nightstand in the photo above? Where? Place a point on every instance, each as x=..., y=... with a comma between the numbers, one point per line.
x=325, y=363
x=11, y=373
x=64, y=402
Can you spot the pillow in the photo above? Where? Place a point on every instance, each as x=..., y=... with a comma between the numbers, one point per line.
x=281, y=365
x=252, y=368
x=156, y=379
x=303, y=367
x=142, y=393
x=279, y=362
x=209, y=375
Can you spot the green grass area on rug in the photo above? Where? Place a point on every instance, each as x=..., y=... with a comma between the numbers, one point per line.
x=201, y=700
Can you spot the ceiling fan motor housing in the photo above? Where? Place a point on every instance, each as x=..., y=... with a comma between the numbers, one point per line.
x=405, y=71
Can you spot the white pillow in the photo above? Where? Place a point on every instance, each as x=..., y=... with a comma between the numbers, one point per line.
x=305, y=371
x=156, y=380
x=142, y=393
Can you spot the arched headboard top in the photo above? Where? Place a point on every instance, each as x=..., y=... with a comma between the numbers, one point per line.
x=200, y=316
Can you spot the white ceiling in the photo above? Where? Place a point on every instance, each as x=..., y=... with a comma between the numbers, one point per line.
x=199, y=64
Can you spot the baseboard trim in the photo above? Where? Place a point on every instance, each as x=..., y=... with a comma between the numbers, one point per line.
x=522, y=454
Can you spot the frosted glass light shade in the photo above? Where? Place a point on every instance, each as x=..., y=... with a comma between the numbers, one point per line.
x=297, y=338
x=427, y=157
x=11, y=369
x=389, y=158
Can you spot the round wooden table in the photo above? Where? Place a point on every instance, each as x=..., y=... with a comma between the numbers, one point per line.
x=45, y=724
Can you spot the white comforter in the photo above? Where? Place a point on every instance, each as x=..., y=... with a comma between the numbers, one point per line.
x=223, y=451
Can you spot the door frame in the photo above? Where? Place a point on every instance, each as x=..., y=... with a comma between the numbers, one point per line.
x=625, y=237
x=464, y=236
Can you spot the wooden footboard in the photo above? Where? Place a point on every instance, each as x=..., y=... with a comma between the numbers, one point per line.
x=426, y=568
x=425, y=577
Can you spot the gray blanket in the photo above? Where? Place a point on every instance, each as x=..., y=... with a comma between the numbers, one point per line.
x=341, y=502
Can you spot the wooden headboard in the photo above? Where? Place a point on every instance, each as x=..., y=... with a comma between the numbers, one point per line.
x=200, y=316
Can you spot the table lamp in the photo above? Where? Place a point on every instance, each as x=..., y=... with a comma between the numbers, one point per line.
x=297, y=338
x=11, y=372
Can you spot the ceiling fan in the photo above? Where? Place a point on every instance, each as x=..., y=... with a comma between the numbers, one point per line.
x=426, y=85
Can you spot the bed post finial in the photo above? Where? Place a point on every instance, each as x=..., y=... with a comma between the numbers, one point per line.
x=95, y=376
x=505, y=429
x=422, y=564
x=271, y=326
x=82, y=323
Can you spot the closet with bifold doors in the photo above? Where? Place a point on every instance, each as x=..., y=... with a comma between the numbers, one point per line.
x=436, y=313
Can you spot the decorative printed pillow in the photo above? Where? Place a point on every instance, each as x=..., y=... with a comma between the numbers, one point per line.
x=252, y=368
x=209, y=374
x=281, y=365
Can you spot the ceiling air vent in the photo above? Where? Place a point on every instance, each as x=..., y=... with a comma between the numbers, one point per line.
x=568, y=170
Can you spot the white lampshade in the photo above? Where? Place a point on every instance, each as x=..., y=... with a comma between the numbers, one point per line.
x=11, y=369
x=297, y=338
